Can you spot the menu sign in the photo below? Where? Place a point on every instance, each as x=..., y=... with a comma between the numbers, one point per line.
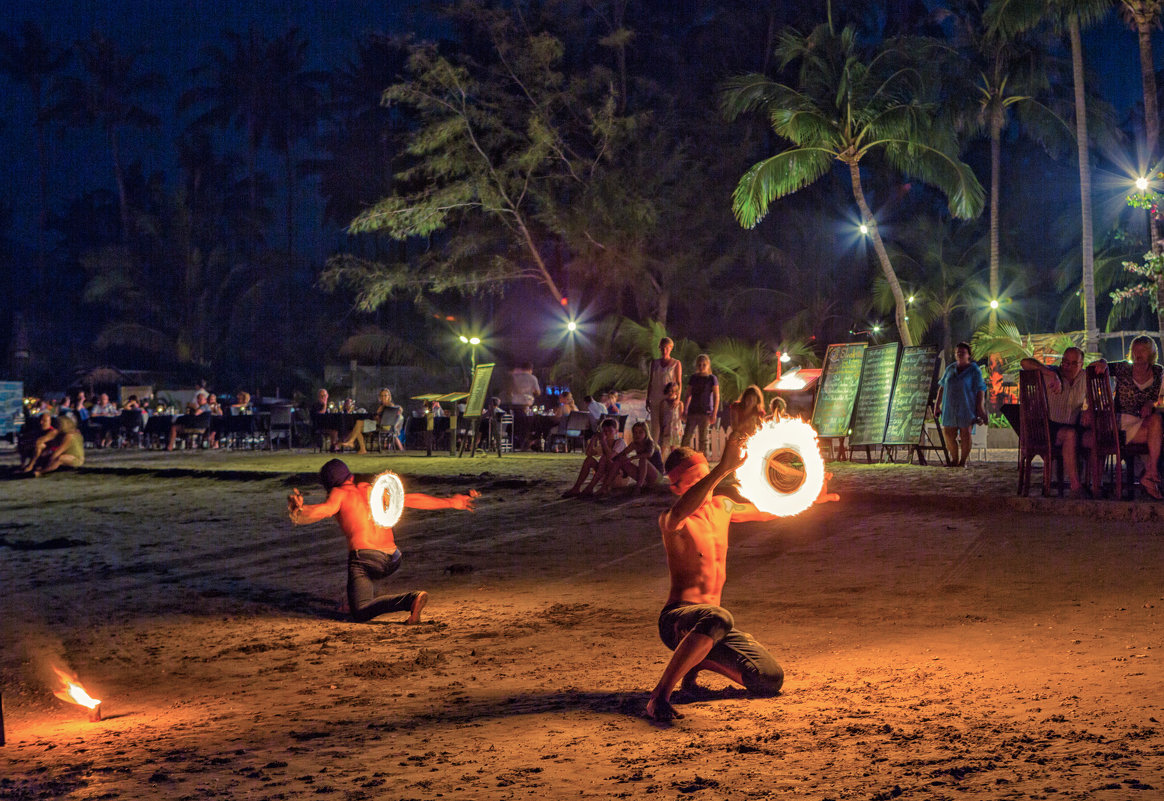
x=838, y=389
x=476, y=403
x=872, y=408
x=911, y=395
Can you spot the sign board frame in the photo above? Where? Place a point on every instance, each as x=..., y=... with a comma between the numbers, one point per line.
x=833, y=382
x=874, y=394
x=909, y=393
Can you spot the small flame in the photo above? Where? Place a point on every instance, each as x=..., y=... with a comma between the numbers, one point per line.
x=72, y=692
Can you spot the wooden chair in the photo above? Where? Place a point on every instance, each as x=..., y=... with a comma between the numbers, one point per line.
x=1103, y=439
x=1035, y=433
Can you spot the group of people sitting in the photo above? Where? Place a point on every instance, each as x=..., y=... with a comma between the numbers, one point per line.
x=612, y=464
x=45, y=447
x=388, y=418
x=1136, y=385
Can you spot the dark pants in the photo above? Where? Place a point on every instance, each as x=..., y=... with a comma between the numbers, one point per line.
x=734, y=649
x=367, y=570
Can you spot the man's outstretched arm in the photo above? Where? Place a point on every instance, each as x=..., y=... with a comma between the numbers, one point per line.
x=697, y=495
x=418, y=500
x=302, y=514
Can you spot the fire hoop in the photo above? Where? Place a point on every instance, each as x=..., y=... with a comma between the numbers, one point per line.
x=386, y=514
x=767, y=478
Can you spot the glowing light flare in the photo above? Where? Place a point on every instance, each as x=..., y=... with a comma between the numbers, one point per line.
x=791, y=381
x=774, y=438
x=571, y=326
x=1142, y=184
x=863, y=228
x=73, y=693
x=994, y=304
x=386, y=499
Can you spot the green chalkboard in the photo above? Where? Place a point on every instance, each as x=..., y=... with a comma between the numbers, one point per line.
x=838, y=389
x=871, y=410
x=916, y=376
x=476, y=402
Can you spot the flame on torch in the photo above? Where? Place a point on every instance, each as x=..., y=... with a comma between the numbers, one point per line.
x=72, y=692
x=769, y=482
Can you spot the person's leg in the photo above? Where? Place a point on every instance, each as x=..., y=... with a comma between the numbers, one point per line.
x=601, y=475
x=689, y=430
x=691, y=631
x=1068, y=439
x=366, y=570
x=588, y=464
x=966, y=441
x=704, y=441
x=173, y=436
x=740, y=658
x=56, y=461
x=950, y=435
x=1155, y=430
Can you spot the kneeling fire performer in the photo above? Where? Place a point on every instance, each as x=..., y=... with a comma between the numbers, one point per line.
x=372, y=552
x=700, y=632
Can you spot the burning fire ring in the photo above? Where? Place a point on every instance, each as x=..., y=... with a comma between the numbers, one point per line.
x=387, y=484
x=756, y=474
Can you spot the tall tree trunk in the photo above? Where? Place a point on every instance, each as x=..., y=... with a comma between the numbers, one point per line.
x=995, y=177
x=899, y=313
x=1087, y=245
x=532, y=247
x=1152, y=142
x=119, y=176
x=39, y=281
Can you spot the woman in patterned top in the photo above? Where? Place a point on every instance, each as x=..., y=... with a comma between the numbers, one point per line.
x=1137, y=388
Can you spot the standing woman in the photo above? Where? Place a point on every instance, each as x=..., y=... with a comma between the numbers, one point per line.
x=962, y=400
x=663, y=371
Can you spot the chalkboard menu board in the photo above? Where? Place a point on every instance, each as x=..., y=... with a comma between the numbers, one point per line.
x=838, y=389
x=872, y=408
x=911, y=395
x=481, y=375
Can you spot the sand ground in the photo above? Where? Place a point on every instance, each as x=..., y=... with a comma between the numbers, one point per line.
x=940, y=640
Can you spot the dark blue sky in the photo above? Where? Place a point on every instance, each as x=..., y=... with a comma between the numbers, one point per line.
x=174, y=32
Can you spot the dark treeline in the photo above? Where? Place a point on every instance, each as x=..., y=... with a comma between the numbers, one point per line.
x=563, y=153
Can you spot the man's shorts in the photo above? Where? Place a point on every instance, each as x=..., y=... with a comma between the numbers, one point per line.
x=735, y=650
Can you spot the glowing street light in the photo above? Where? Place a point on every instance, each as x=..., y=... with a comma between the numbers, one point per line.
x=472, y=342
x=864, y=229
x=1142, y=184
x=994, y=305
x=571, y=326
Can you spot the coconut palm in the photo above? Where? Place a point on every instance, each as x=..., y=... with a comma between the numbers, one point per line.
x=31, y=61
x=109, y=94
x=845, y=105
x=1010, y=17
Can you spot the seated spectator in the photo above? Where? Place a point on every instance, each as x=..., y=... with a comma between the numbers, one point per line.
x=612, y=404
x=1137, y=384
x=565, y=408
x=488, y=426
x=747, y=414
x=641, y=462
x=35, y=436
x=601, y=452
x=81, y=410
x=386, y=404
x=190, y=422
x=104, y=418
x=217, y=420
x=242, y=403
x=1066, y=392
x=67, y=449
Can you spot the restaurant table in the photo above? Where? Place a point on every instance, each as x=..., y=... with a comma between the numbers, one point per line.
x=342, y=422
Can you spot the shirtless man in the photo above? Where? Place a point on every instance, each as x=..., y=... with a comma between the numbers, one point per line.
x=372, y=552
x=701, y=633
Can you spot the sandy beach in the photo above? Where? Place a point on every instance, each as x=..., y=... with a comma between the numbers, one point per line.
x=940, y=639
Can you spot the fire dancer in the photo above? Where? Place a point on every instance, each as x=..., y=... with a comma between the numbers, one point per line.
x=702, y=633
x=372, y=552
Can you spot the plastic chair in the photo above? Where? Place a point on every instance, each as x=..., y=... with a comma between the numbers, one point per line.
x=280, y=427
x=1035, y=433
x=1103, y=440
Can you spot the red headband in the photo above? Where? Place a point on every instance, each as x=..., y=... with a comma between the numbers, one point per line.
x=678, y=470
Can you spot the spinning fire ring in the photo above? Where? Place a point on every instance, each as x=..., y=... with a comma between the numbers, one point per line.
x=783, y=473
x=386, y=499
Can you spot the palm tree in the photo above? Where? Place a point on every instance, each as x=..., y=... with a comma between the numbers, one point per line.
x=1009, y=74
x=109, y=95
x=1070, y=16
x=844, y=106
x=1144, y=15
x=30, y=62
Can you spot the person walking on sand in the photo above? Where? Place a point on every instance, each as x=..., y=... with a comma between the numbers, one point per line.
x=372, y=552
x=700, y=632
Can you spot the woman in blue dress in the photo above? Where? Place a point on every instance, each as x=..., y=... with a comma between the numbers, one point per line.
x=962, y=401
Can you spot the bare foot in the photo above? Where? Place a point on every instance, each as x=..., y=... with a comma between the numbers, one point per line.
x=570, y=493
x=661, y=711
x=417, y=605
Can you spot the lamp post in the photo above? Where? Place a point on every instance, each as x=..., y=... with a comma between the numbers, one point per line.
x=472, y=342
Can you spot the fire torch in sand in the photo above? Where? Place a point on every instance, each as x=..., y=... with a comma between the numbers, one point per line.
x=72, y=692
